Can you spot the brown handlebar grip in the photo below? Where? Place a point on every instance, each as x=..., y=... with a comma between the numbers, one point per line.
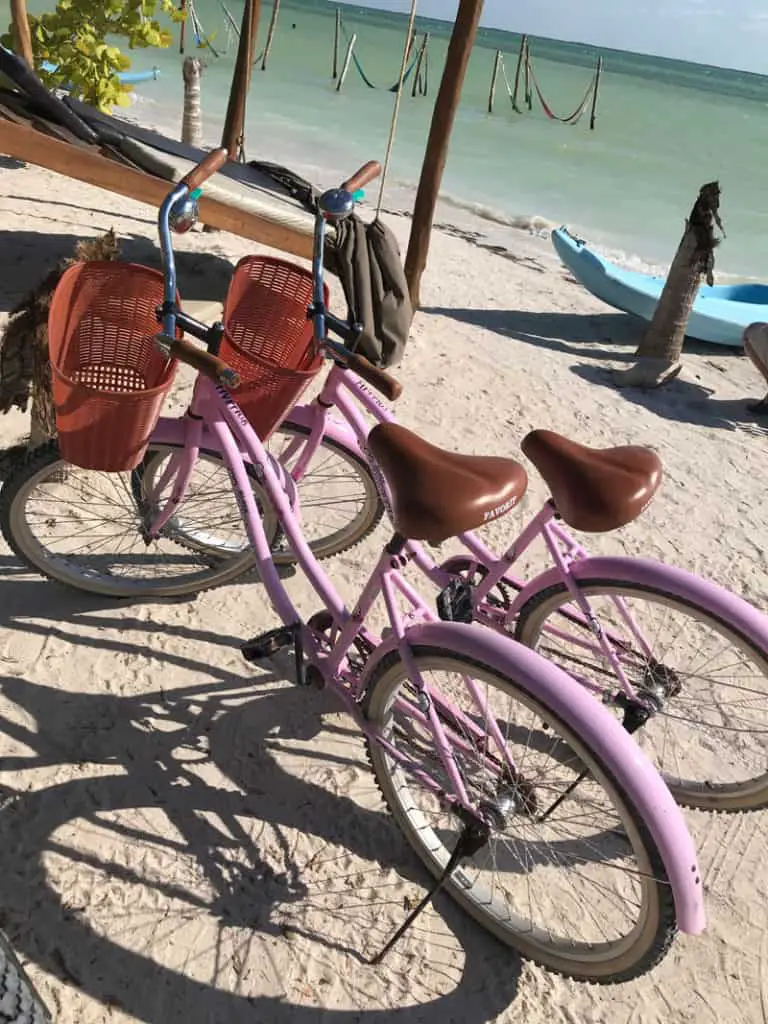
x=205, y=363
x=361, y=178
x=379, y=379
x=205, y=169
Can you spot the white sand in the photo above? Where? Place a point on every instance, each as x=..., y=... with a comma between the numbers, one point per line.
x=187, y=839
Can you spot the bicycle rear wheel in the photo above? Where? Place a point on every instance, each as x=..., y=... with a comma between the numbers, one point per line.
x=709, y=736
x=571, y=877
x=87, y=529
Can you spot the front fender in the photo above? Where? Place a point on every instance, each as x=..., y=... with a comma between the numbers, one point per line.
x=600, y=731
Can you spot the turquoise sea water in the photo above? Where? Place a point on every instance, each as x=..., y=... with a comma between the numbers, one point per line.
x=663, y=129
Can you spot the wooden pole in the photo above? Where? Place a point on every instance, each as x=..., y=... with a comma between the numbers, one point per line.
x=347, y=59
x=456, y=60
x=271, y=32
x=528, y=89
x=494, y=76
x=419, y=62
x=520, y=59
x=22, y=40
x=183, y=29
x=241, y=77
x=336, y=38
x=594, y=94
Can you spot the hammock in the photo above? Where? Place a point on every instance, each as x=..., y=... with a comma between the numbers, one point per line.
x=573, y=118
x=366, y=79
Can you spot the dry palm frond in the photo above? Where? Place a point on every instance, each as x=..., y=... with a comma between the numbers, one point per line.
x=24, y=368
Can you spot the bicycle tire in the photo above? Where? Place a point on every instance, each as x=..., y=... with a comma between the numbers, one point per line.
x=20, y=1002
x=752, y=793
x=366, y=520
x=634, y=954
x=41, y=465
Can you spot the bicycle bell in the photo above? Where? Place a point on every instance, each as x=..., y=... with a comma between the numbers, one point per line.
x=336, y=204
x=184, y=213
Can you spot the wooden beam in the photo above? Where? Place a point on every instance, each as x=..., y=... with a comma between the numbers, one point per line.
x=457, y=58
x=88, y=165
x=241, y=79
x=22, y=40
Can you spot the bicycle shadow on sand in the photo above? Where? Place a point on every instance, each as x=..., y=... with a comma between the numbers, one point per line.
x=154, y=746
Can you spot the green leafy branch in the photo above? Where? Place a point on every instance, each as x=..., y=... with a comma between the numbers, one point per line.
x=73, y=37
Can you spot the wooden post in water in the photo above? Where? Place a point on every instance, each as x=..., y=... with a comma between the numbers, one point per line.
x=22, y=40
x=520, y=59
x=347, y=59
x=232, y=137
x=336, y=37
x=528, y=89
x=419, y=63
x=270, y=32
x=456, y=60
x=593, y=112
x=494, y=76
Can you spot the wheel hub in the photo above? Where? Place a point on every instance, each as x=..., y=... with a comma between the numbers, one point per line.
x=519, y=799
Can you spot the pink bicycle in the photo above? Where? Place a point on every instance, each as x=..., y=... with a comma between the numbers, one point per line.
x=527, y=801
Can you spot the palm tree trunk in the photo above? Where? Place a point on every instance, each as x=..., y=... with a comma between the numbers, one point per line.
x=192, y=122
x=659, y=352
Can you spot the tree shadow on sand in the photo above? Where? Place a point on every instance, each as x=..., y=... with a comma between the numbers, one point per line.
x=682, y=401
x=572, y=333
x=26, y=257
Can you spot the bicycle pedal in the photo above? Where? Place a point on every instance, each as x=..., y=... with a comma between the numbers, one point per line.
x=456, y=602
x=266, y=645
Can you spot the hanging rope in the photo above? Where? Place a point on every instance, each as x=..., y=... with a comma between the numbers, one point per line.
x=396, y=109
x=202, y=41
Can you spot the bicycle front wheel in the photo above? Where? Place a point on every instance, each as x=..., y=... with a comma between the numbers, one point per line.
x=87, y=529
x=340, y=505
x=570, y=877
x=707, y=680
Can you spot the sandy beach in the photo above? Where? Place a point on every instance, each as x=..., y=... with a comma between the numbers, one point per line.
x=187, y=838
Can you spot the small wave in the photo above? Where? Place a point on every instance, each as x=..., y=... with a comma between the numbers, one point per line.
x=532, y=222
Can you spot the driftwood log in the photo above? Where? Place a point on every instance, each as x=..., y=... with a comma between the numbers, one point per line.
x=658, y=355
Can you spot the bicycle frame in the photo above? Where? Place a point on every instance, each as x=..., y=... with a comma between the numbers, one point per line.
x=214, y=420
x=346, y=392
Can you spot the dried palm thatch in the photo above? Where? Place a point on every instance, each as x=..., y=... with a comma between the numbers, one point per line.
x=25, y=371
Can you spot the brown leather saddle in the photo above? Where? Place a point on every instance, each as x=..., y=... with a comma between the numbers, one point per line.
x=594, y=489
x=436, y=494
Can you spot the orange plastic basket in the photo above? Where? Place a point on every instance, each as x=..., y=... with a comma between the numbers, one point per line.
x=109, y=379
x=268, y=338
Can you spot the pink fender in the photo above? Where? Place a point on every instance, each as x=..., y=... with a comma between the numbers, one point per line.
x=600, y=730
x=644, y=572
